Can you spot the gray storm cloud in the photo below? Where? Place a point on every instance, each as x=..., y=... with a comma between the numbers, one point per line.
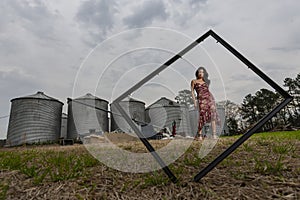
x=42, y=43
x=144, y=14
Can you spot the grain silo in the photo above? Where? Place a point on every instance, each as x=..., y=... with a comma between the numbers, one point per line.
x=222, y=115
x=34, y=119
x=87, y=114
x=136, y=111
x=164, y=112
x=64, y=122
x=194, y=117
x=185, y=127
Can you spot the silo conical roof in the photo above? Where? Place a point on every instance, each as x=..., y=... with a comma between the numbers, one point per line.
x=135, y=100
x=89, y=96
x=163, y=101
x=38, y=95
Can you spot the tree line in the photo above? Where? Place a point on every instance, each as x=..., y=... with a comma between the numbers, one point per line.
x=241, y=117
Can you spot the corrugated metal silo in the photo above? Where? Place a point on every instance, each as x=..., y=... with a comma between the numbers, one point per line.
x=185, y=127
x=64, y=122
x=134, y=108
x=163, y=112
x=194, y=117
x=34, y=119
x=222, y=115
x=87, y=114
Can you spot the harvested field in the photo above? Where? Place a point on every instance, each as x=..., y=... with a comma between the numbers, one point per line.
x=267, y=166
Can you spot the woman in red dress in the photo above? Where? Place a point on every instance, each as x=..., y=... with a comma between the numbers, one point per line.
x=204, y=101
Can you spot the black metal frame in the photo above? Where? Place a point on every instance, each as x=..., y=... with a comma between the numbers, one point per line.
x=235, y=145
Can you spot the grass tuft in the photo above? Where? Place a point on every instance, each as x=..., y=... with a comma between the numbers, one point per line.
x=3, y=191
x=267, y=167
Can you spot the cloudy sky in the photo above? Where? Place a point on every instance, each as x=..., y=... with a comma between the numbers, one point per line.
x=43, y=45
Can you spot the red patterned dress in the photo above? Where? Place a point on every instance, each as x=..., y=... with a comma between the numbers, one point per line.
x=206, y=105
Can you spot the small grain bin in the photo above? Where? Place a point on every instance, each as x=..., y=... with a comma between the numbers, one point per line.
x=34, y=119
x=164, y=112
x=87, y=115
x=136, y=111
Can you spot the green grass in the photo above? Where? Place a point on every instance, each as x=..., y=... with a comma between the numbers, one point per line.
x=3, y=190
x=247, y=147
x=155, y=179
x=58, y=166
x=284, y=135
x=264, y=154
x=266, y=167
x=288, y=148
x=52, y=165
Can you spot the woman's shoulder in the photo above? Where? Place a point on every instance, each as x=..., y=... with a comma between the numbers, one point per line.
x=193, y=82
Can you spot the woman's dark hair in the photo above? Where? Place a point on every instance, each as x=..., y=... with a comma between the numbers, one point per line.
x=205, y=77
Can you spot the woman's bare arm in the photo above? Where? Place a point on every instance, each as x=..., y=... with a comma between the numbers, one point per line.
x=193, y=94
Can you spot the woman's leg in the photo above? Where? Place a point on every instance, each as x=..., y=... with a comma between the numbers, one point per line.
x=200, y=125
x=200, y=135
x=199, y=132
